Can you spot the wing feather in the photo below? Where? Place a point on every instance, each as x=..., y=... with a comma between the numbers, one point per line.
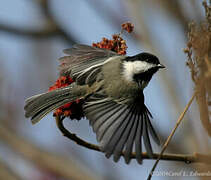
x=84, y=62
x=121, y=141
x=107, y=129
x=105, y=116
x=130, y=140
x=117, y=133
x=147, y=143
x=152, y=131
x=100, y=118
x=138, y=140
x=119, y=126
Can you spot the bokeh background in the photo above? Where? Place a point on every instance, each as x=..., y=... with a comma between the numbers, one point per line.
x=33, y=34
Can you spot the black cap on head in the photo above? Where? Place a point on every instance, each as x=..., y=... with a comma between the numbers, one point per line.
x=147, y=57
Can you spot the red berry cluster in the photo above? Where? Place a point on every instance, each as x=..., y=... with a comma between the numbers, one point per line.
x=117, y=43
x=63, y=81
x=128, y=27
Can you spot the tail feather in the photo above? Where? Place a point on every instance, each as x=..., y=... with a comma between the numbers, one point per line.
x=39, y=105
x=39, y=102
x=42, y=99
x=43, y=112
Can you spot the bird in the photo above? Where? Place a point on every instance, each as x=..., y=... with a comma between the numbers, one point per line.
x=111, y=86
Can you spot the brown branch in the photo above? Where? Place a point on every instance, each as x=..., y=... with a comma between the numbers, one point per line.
x=192, y=158
x=59, y=165
x=171, y=135
x=73, y=137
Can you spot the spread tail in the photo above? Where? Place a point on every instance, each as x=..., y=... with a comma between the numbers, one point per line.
x=40, y=105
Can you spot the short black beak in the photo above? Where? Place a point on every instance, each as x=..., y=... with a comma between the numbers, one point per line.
x=161, y=66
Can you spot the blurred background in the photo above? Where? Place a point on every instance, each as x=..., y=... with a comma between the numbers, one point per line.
x=33, y=34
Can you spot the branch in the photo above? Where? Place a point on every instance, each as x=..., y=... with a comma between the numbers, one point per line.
x=7, y=173
x=44, y=33
x=53, y=21
x=61, y=166
x=52, y=27
x=171, y=135
x=192, y=158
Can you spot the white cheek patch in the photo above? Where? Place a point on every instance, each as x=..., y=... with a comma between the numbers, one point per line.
x=135, y=67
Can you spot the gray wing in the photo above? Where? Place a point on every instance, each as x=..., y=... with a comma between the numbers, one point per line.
x=83, y=62
x=120, y=127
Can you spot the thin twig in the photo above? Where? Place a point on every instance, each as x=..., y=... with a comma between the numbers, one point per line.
x=171, y=135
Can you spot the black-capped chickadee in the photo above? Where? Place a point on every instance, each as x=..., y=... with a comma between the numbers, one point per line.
x=112, y=88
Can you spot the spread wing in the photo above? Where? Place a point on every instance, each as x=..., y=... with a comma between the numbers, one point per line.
x=120, y=127
x=83, y=62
